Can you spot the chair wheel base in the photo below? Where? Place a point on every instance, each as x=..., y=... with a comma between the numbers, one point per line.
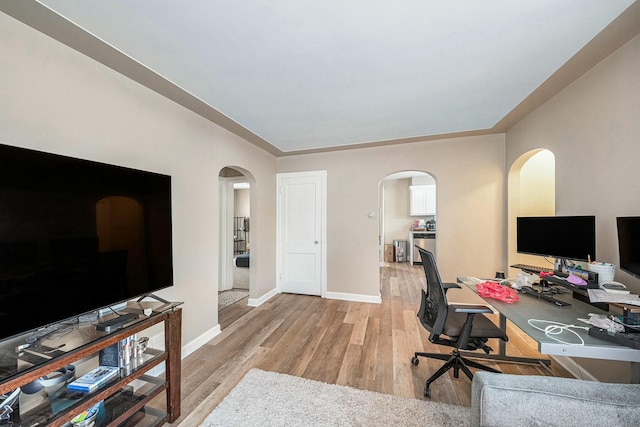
x=415, y=361
x=427, y=392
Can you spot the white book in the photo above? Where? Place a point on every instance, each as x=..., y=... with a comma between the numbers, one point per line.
x=93, y=379
x=600, y=295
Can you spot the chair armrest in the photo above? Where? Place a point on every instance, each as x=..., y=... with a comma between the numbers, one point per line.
x=447, y=286
x=475, y=309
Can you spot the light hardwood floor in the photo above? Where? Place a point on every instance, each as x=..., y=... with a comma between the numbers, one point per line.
x=367, y=346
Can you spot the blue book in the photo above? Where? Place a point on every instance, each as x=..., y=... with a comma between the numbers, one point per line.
x=93, y=379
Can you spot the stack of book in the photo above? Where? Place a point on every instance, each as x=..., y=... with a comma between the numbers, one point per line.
x=119, y=354
x=93, y=379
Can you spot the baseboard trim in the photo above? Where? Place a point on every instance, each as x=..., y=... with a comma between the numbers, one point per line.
x=257, y=302
x=354, y=297
x=195, y=344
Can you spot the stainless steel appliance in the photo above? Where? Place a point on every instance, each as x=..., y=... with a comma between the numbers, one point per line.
x=426, y=241
x=400, y=248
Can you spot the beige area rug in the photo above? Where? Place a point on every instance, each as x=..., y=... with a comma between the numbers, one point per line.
x=226, y=298
x=271, y=399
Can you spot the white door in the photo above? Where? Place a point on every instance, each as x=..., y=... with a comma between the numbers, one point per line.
x=301, y=232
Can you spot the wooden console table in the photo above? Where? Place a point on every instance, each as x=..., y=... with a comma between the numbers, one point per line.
x=123, y=401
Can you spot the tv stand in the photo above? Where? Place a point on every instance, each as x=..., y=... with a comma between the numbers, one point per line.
x=125, y=401
x=147, y=307
x=154, y=296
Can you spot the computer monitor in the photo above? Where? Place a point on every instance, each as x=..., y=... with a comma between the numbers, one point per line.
x=629, y=244
x=567, y=237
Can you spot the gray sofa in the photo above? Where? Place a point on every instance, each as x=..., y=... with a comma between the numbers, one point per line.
x=523, y=400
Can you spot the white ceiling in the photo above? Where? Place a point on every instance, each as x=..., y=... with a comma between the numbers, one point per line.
x=303, y=75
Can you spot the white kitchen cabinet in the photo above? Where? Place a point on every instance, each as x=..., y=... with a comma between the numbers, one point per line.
x=422, y=200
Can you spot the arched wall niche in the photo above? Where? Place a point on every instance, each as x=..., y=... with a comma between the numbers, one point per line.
x=531, y=192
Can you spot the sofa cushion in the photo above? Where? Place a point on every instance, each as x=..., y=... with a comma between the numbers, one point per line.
x=524, y=400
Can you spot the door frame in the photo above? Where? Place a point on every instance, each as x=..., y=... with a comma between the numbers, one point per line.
x=322, y=174
x=227, y=208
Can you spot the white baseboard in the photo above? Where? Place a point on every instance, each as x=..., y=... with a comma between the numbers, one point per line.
x=253, y=302
x=354, y=297
x=257, y=302
x=195, y=344
x=574, y=368
x=157, y=341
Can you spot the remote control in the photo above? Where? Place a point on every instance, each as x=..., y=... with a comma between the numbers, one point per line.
x=41, y=333
x=116, y=322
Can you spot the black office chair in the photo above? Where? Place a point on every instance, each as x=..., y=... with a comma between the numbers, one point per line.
x=464, y=326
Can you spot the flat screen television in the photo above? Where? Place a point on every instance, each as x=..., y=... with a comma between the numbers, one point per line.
x=568, y=237
x=76, y=236
x=629, y=244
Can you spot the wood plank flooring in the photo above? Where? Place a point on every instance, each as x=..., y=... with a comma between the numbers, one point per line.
x=367, y=346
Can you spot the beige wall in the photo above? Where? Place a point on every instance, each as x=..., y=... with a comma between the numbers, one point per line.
x=54, y=99
x=396, y=210
x=537, y=183
x=470, y=176
x=593, y=130
x=531, y=192
x=241, y=201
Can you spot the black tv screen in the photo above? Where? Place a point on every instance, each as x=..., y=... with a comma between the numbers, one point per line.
x=570, y=237
x=76, y=236
x=629, y=244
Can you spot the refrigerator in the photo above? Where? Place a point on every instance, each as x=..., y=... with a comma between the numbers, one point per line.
x=426, y=241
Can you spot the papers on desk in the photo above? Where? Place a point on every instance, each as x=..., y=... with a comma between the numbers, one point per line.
x=600, y=295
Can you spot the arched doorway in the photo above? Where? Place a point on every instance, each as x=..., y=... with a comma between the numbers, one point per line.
x=531, y=192
x=234, y=275
x=407, y=201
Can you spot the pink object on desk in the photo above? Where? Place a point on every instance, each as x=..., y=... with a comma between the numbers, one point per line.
x=576, y=280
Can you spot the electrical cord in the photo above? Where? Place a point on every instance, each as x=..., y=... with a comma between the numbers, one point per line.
x=557, y=328
x=113, y=311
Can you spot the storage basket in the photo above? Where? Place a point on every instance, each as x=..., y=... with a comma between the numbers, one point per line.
x=606, y=272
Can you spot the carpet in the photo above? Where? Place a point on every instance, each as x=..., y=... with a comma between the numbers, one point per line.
x=272, y=399
x=226, y=298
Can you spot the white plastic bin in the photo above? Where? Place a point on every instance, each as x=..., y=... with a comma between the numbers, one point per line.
x=606, y=271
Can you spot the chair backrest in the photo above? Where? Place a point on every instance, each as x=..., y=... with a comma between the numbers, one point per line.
x=434, y=305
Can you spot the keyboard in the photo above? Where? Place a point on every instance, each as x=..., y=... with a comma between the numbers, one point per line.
x=532, y=268
x=548, y=298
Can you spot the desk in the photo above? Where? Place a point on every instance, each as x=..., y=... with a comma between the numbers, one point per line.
x=531, y=308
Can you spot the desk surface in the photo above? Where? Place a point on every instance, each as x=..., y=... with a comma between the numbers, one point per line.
x=529, y=307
